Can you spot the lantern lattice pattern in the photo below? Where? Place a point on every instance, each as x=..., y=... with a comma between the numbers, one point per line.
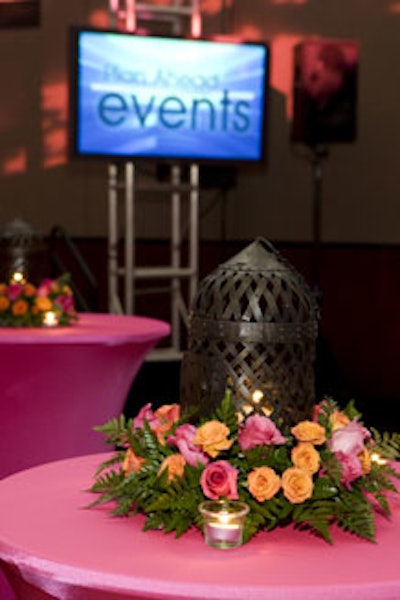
x=22, y=250
x=253, y=328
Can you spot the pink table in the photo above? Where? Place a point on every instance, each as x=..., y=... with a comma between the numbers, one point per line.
x=51, y=547
x=56, y=384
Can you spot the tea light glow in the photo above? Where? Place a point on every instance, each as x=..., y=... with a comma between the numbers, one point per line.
x=18, y=277
x=50, y=319
x=257, y=396
x=378, y=459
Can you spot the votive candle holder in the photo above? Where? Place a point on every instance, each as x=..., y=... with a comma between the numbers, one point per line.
x=50, y=318
x=223, y=522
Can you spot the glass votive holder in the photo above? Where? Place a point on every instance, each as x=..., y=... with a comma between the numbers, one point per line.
x=50, y=319
x=223, y=522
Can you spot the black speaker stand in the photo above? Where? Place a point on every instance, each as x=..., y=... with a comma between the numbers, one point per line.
x=319, y=154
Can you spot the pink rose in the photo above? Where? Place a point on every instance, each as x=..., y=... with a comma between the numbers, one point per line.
x=319, y=408
x=348, y=439
x=160, y=421
x=218, y=479
x=14, y=291
x=351, y=467
x=259, y=430
x=66, y=303
x=145, y=414
x=183, y=440
x=44, y=288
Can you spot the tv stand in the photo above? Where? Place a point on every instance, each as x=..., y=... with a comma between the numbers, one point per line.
x=179, y=278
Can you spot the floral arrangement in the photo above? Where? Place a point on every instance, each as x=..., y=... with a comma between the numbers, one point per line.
x=23, y=304
x=324, y=471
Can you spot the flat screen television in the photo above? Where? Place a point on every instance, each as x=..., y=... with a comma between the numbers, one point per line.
x=179, y=99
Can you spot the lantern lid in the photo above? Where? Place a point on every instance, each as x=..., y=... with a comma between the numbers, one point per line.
x=257, y=285
x=19, y=233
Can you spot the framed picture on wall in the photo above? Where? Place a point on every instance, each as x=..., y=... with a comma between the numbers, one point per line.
x=19, y=13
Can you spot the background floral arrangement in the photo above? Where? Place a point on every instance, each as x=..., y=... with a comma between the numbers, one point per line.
x=25, y=304
x=327, y=470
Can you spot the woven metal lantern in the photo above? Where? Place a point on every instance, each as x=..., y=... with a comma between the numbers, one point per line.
x=253, y=328
x=22, y=250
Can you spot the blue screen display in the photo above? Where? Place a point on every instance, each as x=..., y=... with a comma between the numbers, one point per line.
x=172, y=98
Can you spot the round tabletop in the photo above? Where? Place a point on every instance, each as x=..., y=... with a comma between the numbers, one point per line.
x=50, y=538
x=91, y=328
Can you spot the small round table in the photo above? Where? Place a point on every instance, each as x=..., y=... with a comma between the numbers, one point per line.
x=51, y=546
x=57, y=383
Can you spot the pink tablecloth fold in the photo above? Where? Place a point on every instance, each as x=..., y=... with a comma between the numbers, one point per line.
x=53, y=544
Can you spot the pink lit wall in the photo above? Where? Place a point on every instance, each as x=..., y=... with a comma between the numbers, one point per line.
x=361, y=186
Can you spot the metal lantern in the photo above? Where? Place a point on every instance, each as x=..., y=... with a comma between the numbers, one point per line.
x=22, y=252
x=253, y=328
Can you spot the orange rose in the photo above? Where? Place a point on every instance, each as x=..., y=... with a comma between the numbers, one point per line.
x=29, y=290
x=175, y=464
x=132, y=463
x=3, y=288
x=306, y=457
x=212, y=438
x=161, y=430
x=365, y=460
x=19, y=308
x=297, y=485
x=338, y=419
x=4, y=303
x=167, y=415
x=263, y=483
x=43, y=304
x=308, y=431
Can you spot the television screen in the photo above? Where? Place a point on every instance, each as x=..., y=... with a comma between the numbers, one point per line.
x=141, y=96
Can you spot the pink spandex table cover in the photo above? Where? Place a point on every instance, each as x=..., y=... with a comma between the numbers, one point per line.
x=56, y=384
x=52, y=547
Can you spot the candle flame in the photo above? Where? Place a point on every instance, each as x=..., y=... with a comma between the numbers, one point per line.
x=50, y=318
x=378, y=459
x=18, y=277
x=257, y=396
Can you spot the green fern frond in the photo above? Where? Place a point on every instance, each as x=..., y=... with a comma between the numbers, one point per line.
x=226, y=413
x=114, y=460
x=355, y=515
x=352, y=412
x=315, y=516
x=110, y=480
x=386, y=444
x=115, y=430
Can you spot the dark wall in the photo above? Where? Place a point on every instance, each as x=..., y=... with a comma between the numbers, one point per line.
x=359, y=297
x=361, y=186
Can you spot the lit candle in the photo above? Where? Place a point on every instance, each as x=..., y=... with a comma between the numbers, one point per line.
x=261, y=404
x=50, y=318
x=257, y=396
x=246, y=409
x=223, y=523
x=18, y=277
x=223, y=534
x=267, y=409
x=378, y=459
